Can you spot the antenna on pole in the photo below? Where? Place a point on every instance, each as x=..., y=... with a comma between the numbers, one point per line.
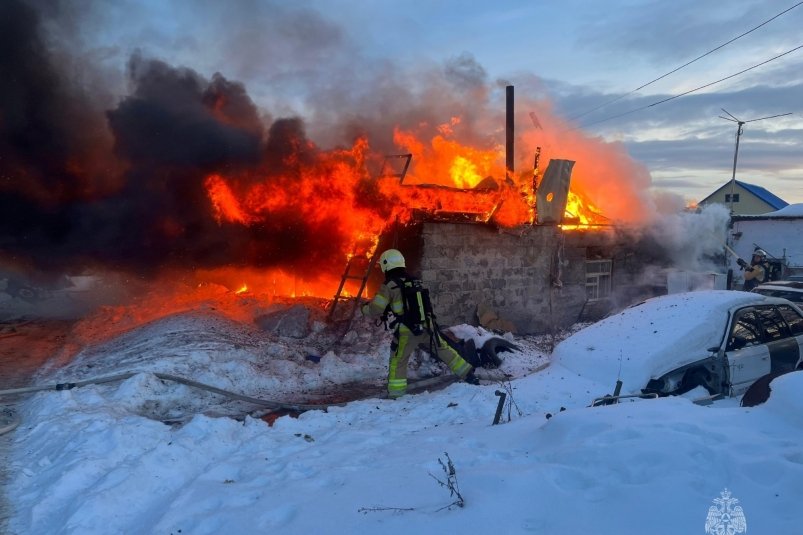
x=732, y=118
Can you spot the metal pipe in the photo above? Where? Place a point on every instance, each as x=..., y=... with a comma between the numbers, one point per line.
x=509, y=132
x=499, y=406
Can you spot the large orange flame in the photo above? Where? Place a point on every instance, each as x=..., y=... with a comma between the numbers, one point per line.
x=335, y=192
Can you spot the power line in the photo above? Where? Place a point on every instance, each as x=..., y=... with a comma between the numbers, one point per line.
x=689, y=91
x=685, y=64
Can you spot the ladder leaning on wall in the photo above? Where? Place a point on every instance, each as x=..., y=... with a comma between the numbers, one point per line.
x=352, y=265
x=364, y=249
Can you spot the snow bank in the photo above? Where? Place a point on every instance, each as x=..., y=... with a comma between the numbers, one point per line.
x=94, y=461
x=85, y=466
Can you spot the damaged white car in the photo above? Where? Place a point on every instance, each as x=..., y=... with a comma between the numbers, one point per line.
x=722, y=341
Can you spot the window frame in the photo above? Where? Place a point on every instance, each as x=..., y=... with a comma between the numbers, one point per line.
x=757, y=333
x=773, y=324
x=599, y=284
x=795, y=329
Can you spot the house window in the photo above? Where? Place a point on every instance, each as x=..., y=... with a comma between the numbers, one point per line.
x=728, y=197
x=598, y=279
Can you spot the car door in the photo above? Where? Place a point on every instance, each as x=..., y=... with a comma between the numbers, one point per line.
x=794, y=322
x=783, y=347
x=747, y=354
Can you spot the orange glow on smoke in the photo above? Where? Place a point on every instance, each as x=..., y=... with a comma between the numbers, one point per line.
x=225, y=204
x=604, y=171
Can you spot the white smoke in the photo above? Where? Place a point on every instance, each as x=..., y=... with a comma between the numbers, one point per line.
x=693, y=241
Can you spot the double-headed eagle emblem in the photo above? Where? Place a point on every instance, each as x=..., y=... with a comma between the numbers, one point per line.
x=725, y=517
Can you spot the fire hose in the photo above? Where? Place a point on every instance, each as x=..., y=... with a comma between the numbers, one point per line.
x=269, y=404
x=9, y=422
x=739, y=260
x=731, y=251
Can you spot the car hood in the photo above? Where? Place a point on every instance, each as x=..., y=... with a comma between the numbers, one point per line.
x=650, y=339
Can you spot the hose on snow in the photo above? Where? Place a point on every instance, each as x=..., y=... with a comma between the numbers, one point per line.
x=269, y=404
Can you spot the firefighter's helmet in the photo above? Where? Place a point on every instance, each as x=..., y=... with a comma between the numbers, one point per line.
x=391, y=259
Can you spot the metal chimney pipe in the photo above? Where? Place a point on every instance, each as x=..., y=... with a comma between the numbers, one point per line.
x=509, y=132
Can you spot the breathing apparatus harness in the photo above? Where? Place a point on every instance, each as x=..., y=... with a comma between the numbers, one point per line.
x=417, y=313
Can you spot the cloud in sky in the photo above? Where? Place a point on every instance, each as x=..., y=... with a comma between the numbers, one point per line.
x=326, y=58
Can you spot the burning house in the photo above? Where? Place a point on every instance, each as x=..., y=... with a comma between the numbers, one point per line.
x=185, y=179
x=517, y=260
x=525, y=253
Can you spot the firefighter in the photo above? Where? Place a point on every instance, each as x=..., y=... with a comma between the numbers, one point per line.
x=757, y=271
x=411, y=328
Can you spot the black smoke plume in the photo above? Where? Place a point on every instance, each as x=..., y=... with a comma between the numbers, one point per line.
x=124, y=188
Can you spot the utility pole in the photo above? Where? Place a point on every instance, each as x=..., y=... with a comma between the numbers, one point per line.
x=739, y=130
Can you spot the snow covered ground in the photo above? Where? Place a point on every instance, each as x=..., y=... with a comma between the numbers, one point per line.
x=98, y=459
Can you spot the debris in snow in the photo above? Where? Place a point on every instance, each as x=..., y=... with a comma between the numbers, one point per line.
x=490, y=319
x=292, y=322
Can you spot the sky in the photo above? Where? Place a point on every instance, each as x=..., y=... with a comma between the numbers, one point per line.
x=579, y=55
x=143, y=455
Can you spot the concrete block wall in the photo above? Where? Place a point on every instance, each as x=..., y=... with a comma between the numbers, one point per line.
x=465, y=265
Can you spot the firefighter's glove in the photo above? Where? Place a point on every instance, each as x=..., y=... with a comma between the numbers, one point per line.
x=364, y=309
x=742, y=263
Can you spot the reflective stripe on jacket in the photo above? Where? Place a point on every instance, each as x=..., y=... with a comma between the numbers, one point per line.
x=389, y=293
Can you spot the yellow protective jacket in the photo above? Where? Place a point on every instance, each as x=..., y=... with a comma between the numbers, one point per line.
x=755, y=275
x=405, y=341
x=389, y=294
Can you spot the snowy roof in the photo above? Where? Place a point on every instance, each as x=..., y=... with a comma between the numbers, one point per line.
x=791, y=211
x=652, y=338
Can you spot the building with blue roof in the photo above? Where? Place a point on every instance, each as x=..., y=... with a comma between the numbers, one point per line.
x=742, y=198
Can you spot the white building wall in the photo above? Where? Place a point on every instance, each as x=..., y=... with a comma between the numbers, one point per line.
x=780, y=238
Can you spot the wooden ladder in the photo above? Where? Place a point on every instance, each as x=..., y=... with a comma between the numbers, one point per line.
x=388, y=170
x=349, y=274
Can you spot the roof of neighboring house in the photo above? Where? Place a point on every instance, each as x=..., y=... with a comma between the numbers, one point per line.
x=763, y=194
x=770, y=198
